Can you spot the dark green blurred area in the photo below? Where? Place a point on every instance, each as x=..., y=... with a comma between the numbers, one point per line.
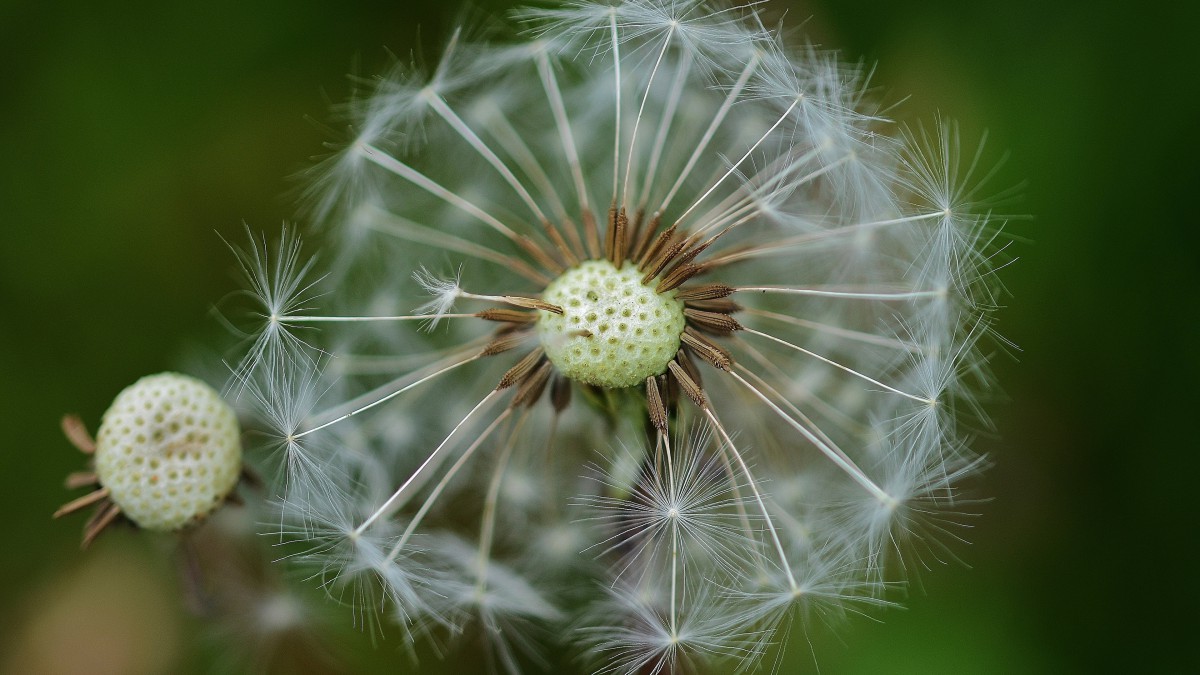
x=132, y=135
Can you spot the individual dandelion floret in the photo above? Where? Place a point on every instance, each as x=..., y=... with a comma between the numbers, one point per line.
x=168, y=452
x=659, y=216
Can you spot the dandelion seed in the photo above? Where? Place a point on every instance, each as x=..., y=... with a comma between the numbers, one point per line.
x=280, y=287
x=444, y=292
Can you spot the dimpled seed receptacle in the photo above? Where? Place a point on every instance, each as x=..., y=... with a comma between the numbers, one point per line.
x=614, y=331
x=168, y=451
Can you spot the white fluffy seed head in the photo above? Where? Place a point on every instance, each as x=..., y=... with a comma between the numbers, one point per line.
x=614, y=331
x=168, y=451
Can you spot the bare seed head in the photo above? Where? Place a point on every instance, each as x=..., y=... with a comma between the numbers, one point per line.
x=168, y=451
x=615, y=331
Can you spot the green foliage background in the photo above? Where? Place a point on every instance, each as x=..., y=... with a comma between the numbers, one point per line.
x=132, y=134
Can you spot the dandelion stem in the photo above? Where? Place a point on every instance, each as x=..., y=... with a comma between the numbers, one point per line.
x=664, y=128
x=400, y=491
x=839, y=458
x=666, y=442
x=422, y=181
x=616, y=50
x=511, y=141
x=834, y=414
x=405, y=229
x=353, y=319
x=374, y=364
x=554, y=96
x=734, y=92
x=728, y=443
x=785, y=244
x=787, y=113
x=777, y=174
x=452, y=118
x=637, y=122
x=441, y=486
x=674, y=574
x=487, y=528
x=854, y=295
x=739, y=501
x=672, y=495
x=800, y=415
x=357, y=407
x=835, y=364
x=857, y=336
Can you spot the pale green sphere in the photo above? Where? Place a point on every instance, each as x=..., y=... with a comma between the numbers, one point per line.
x=615, y=331
x=169, y=451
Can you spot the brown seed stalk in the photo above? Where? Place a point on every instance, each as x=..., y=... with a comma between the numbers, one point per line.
x=507, y=316
x=524, y=367
x=703, y=292
x=76, y=432
x=717, y=322
x=81, y=503
x=531, y=388
x=504, y=342
x=654, y=405
x=706, y=349
x=688, y=385
x=103, y=517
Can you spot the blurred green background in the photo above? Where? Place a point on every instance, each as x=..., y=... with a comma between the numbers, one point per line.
x=133, y=133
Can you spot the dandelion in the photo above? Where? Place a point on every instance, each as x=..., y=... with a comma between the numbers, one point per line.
x=676, y=241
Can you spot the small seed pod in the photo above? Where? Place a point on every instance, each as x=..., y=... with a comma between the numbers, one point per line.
x=167, y=454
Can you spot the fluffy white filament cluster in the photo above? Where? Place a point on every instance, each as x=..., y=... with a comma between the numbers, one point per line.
x=829, y=280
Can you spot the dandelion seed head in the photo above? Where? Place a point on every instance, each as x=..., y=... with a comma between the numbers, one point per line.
x=168, y=451
x=698, y=255
x=614, y=331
